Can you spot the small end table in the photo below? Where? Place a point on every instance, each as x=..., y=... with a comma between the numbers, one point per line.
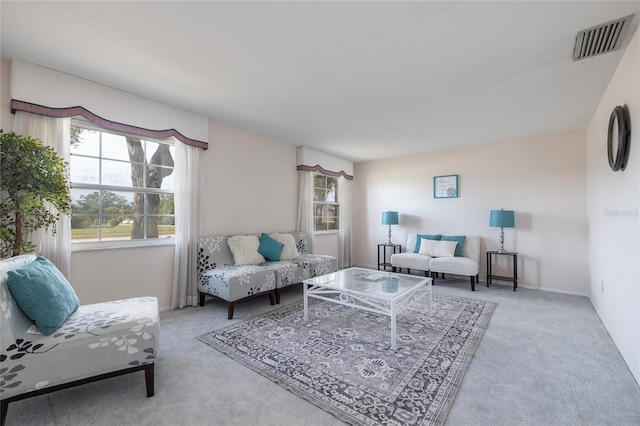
x=490, y=276
x=393, y=249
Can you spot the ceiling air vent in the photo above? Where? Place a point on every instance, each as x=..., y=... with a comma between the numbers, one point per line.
x=601, y=38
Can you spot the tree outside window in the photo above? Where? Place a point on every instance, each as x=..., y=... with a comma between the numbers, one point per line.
x=326, y=207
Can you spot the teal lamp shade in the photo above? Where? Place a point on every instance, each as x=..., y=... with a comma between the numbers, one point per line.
x=502, y=219
x=390, y=218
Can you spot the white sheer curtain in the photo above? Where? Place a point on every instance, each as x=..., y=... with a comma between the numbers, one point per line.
x=305, y=206
x=187, y=204
x=54, y=132
x=344, y=247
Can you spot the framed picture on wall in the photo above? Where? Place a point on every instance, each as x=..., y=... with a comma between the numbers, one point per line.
x=445, y=186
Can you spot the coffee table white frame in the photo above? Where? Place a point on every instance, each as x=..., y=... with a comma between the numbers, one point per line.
x=367, y=290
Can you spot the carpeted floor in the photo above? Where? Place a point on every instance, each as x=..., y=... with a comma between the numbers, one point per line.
x=340, y=358
x=545, y=359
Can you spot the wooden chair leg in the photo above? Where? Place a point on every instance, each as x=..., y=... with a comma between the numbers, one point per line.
x=149, y=379
x=4, y=407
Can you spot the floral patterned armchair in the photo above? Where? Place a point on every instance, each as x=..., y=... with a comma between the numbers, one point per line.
x=96, y=342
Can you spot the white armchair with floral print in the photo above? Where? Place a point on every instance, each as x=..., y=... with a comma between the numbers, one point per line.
x=97, y=341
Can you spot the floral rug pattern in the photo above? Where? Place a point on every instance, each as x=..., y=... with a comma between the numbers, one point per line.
x=340, y=359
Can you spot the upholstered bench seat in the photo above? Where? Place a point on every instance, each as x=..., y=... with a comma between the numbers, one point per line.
x=465, y=260
x=219, y=274
x=290, y=272
x=454, y=265
x=411, y=261
x=231, y=282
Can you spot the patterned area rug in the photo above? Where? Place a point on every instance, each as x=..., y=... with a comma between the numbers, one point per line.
x=341, y=361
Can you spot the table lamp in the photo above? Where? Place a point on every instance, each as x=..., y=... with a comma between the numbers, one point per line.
x=502, y=219
x=389, y=218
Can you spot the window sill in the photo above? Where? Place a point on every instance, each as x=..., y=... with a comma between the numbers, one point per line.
x=116, y=245
x=332, y=232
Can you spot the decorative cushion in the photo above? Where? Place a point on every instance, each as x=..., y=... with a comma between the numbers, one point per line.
x=245, y=249
x=43, y=294
x=270, y=248
x=419, y=238
x=289, y=251
x=438, y=248
x=460, y=239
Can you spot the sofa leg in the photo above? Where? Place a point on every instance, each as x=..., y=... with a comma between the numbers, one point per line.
x=425, y=273
x=473, y=283
x=201, y=294
x=272, y=297
x=230, y=307
x=277, y=292
x=149, y=379
x=4, y=408
x=408, y=271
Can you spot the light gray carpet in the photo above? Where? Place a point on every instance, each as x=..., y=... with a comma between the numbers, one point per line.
x=545, y=359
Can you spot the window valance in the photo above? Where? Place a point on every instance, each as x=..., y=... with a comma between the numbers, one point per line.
x=17, y=105
x=319, y=168
x=330, y=165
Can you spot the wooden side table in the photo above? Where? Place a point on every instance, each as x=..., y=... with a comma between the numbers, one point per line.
x=393, y=249
x=490, y=276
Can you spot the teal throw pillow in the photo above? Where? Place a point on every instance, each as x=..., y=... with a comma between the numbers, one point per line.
x=419, y=238
x=43, y=294
x=270, y=248
x=460, y=247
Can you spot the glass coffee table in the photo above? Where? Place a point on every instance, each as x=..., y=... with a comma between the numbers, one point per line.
x=384, y=293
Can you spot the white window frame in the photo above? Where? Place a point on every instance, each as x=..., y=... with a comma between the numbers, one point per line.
x=78, y=245
x=337, y=203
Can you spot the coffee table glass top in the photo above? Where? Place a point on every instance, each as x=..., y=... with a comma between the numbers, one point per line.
x=366, y=281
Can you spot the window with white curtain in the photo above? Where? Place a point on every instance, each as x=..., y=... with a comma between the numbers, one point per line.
x=122, y=187
x=326, y=207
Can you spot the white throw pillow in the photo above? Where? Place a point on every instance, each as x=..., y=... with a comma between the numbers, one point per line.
x=245, y=249
x=438, y=248
x=289, y=251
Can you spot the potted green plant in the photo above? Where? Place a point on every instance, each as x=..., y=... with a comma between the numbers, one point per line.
x=32, y=178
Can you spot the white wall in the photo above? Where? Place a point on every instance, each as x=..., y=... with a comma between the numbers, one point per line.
x=250, y=183
x=613, y=205
x=543, y=179
x=102, y=275
x=251, y=186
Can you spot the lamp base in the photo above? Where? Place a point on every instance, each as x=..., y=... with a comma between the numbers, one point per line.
x=501, y=250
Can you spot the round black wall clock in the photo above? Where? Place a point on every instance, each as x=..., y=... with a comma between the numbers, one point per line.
x=618, y=138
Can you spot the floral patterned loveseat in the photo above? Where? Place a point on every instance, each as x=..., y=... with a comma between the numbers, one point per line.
x=221, y=277
x=95, y=342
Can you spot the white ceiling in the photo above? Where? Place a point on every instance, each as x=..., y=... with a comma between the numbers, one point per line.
x=362, y=80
